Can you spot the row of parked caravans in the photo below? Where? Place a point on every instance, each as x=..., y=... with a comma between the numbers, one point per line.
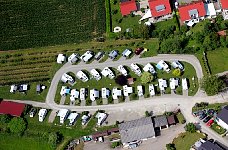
x=88, y=55
x=65, y=114
x=126, y=91
x=107, y=72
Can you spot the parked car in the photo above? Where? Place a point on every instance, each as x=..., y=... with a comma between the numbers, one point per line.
x=32, y=112
x=210, y=122
x=99, y=55
x=201, y=117
x=207, y=119
x=139, y=50
x=211, y=112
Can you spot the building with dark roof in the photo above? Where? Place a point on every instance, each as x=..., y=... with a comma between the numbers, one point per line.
x=11, y=108
x=159, y=8
x=127, y=6
x=136, y=130
x=194, y=12
x=160, y=122
x=222, y=118
x=209, y=146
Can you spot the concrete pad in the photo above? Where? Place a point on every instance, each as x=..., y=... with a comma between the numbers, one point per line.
x=62, y=100
x=52, y=116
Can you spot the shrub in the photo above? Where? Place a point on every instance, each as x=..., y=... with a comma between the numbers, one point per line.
x=17, y=125
x=170, y=146
x=190, y=127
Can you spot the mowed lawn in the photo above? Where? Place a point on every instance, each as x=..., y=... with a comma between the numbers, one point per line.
x=11, y=142
x=31, y=23
x=185, y=140
x=218, y=60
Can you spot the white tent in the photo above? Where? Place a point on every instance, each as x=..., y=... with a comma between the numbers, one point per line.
x=74, y=94
x=122, y=70
x=42, y=114
x=82, y=94
x=72, y=117
x=151, y=90
x=94, y=94
x=61, y=58
x=105, y=92
x=162, y=84
x=173, y=83
x=149, y=68
x=116, y=93
x=127, y=90
x=73, y=58
x=86, y=56
x=136, y=69
x=62, y=114
x=82, y=76
x=140, y=90
x=95, y=74
x=101, y=118
x=147, y=15
x=184, y=84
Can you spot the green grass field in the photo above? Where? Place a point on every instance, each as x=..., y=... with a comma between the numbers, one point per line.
x=28, y=24
x=12, y=142
x=185, y=140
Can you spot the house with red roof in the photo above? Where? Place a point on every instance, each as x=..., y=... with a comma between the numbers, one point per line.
x=11, y=108
x=160, y=10
x=192, y=13
x=127, y=6
x=224, y=5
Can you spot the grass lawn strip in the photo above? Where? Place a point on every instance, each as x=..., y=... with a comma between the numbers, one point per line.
x=185, y=140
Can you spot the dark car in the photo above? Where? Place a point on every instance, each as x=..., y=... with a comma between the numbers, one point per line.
x=211, y=112
x=139, y=50
x=207, y=119
x=202, y=116
x=32, y=112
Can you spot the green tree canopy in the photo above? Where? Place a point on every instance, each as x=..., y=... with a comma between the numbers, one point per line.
x=146, y=77
x=5, y=119
x=53, y=139
x=190, y=127
x=17, y=125
x=212, y=84
x=172, y=45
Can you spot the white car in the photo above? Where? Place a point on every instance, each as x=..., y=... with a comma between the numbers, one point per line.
x=122, y=70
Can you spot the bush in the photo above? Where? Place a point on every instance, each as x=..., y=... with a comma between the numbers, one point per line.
x=115, y=144
x=146, y=77
x=147, y=114
x=190, y=127
x=170, y=146
x=4, y=119
x=177, y=72
x=17, y=125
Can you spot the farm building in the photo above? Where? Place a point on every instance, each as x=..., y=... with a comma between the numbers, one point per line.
x=12, y=108
x=136, y=130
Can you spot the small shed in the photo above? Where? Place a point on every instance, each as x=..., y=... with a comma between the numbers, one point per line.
x=171, y=120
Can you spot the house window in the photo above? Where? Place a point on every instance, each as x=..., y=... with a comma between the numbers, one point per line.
x=193, y=13
x=160, y=8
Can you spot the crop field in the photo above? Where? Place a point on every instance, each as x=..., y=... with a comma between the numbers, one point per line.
x=32, y=23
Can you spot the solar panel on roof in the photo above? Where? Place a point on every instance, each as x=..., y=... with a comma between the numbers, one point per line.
x=160, y=7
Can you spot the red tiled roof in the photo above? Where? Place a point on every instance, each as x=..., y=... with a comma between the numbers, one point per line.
x=127, y=7
x=11, y=108
x=154, y=3
x=184, y=10
x=224, y=4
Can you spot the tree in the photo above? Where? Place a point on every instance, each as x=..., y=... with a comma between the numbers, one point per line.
x=212, y=84
x=5, y=119
x=145, y=31
x=172, y=45
x=170, y=146
x=146, y=77
x=177, y=72
x=211, y=41
x=190, y=127
x=17, y=125
x=53, y=139
x=121, y=80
